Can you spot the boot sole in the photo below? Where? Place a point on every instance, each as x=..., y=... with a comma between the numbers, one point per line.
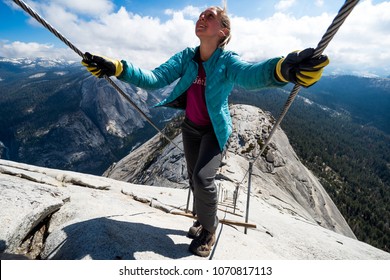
x=202, y=253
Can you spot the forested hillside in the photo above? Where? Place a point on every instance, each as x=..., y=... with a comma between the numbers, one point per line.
x=352, y=160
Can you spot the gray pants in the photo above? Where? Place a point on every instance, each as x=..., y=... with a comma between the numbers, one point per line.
x=203, y=157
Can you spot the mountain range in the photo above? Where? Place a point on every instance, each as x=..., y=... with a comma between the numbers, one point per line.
x=53, y=214
x=54, y=114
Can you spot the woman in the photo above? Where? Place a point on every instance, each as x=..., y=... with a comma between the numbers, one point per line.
x=206, y=76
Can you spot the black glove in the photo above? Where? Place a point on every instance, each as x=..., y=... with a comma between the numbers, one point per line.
x=301, y=67
x=100, y=65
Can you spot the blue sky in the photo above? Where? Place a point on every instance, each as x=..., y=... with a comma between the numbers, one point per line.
x=149, y=32
x=17, y=25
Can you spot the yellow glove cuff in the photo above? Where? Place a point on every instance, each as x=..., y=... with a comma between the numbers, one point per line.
x=278, y=71
x=118, y=67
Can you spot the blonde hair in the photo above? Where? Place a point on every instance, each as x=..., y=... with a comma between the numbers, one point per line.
x=225, y=22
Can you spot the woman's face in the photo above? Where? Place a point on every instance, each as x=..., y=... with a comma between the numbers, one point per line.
x=209, y=25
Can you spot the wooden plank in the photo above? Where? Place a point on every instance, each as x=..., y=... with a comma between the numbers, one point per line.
x=237, y=223
x=222, y=221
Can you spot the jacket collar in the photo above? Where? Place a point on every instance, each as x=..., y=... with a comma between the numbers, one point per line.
x=213, y=57
x=196, y=57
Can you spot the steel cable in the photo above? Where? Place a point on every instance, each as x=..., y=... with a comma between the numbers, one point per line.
x=37, y=17
x=343, y=13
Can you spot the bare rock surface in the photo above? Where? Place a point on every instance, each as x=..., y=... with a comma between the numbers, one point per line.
x=129, y=221
x=55, y=214
x=279, y=178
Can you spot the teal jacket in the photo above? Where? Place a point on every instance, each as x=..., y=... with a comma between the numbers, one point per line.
x=223, y=69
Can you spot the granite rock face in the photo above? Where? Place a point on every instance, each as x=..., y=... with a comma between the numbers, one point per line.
x=55, y=214
x=61, y=215
x=278, y=176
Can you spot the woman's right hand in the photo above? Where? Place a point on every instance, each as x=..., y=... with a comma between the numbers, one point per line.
x=100, y=66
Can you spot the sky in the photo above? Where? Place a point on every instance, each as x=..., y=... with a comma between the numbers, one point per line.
x=147, y=33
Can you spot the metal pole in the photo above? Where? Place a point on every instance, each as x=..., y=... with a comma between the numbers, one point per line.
x=343, y=13
x=188, y=198
x=249, y=194
x=235, y=197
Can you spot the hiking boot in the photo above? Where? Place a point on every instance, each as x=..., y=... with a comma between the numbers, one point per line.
x=202, y=244
x=195, y=230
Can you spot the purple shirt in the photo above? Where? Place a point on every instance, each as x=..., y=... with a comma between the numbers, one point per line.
x=196, y=110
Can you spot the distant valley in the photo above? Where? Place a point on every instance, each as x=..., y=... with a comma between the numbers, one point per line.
x=340, y=130
x=57, y=115
x=54, y=114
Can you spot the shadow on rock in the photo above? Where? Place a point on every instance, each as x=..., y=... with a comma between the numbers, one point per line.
x=106, y=239
x=9, y=256
x=2, y=246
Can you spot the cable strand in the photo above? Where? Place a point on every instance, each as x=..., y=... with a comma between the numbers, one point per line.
x=341, y=16
x=40, y=19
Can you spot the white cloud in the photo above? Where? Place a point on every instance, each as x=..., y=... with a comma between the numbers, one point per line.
x=284, y=4
x=89, y=7
x=362, y=44
x=191, y=11
x=277, y=35
x=21, y=49
x=319, y=3
x=11, y=4
x=146, y=41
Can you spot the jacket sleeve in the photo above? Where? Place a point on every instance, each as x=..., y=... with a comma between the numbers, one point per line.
x=252, y=75
x=160, y=77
